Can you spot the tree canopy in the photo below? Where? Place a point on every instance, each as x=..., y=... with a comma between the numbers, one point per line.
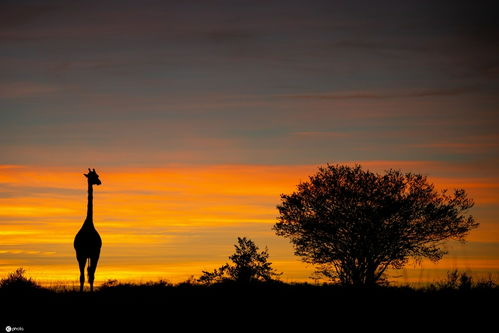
x=354, y=224
x=248, y=265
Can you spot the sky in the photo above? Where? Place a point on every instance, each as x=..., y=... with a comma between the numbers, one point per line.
x=198, y=114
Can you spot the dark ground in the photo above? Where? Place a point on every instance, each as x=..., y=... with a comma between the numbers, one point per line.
x=263, y=307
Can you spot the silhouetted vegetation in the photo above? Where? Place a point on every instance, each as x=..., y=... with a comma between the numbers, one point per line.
x=193, y=304
x=248, y=265
x=456, y=280
x=17, y=281
x=354, y=224
x=462, y=281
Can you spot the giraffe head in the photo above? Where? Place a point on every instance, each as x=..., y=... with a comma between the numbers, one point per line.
x=93, y=177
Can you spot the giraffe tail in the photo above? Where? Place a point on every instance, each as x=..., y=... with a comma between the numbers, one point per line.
x=88, y=266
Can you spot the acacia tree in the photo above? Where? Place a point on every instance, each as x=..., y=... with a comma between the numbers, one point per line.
x=354, y=224
x=248, y=265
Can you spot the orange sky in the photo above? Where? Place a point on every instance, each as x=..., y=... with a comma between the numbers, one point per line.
x=175, y=221
x=198, y=115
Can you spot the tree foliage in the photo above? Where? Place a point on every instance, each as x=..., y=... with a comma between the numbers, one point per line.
x=354, y=224
x=248, y=265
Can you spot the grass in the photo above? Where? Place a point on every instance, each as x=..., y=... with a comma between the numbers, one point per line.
x=162, y=303
x=18, y=284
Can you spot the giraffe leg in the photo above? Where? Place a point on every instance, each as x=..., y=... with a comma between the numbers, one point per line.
x=81, y=262
x=91, y=271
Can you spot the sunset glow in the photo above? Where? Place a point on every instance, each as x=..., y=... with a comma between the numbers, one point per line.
x=198, y=116
x=173, y=222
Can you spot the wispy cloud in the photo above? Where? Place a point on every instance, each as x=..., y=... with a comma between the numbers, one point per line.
x=467, y=144
x=27, y=89
x=384, y=94
x=321, y=134
x=460, y=147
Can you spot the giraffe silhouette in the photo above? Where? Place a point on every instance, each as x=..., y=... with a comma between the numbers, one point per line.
x=87, y=241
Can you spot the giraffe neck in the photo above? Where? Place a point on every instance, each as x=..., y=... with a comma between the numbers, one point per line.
x=89, y=221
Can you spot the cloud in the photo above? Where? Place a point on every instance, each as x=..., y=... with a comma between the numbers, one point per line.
x=384, y=94
x=27, y=89
x=460, y=147
x=321, y=135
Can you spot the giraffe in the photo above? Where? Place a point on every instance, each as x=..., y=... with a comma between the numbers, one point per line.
x=87, y=242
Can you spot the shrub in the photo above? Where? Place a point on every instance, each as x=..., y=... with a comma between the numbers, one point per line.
x=18, y=281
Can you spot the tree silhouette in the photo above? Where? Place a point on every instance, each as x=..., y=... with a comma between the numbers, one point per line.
x=354, y=224
x=248, y=265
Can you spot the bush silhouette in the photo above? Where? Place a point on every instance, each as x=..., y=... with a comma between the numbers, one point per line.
x=354, y=224
x=462, y=281
x=248, y=265
x=17, y=281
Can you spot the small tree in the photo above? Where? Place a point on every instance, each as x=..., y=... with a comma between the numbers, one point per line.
x=248, y=265
x=354, y=224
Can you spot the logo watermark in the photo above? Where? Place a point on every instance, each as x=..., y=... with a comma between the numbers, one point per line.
x=14, y=329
